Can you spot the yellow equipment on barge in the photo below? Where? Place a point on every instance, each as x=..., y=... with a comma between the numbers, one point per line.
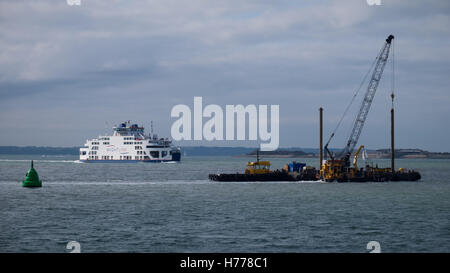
x=258, y=167
x=335, y=170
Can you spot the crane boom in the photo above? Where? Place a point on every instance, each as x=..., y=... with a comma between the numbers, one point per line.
x=367, y=102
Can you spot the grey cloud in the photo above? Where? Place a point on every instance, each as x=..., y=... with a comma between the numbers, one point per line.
x=114, y=60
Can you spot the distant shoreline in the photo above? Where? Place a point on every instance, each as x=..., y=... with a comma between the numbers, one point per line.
x=234, y=151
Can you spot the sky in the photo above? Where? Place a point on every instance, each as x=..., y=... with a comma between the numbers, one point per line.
x=69, y=73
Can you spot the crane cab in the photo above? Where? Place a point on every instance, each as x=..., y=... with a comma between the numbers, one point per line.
x=332, y=170
x=337, y=170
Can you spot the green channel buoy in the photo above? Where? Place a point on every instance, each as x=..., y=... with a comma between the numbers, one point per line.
x=32, y=178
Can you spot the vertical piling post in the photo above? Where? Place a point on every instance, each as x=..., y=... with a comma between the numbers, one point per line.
x=392, y=142
x=320, y=137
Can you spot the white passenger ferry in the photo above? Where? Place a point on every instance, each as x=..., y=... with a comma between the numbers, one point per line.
x=129, y=144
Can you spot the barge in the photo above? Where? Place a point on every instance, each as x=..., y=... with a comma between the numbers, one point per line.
x=337, y=167
x=308, y=173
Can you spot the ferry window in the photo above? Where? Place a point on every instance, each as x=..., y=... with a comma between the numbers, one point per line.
x=154, y=154
x=163, y=153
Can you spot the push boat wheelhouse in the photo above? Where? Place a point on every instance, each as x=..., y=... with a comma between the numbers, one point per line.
x=129, y=144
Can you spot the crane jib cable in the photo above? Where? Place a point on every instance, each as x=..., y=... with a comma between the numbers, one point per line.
x=352, y=100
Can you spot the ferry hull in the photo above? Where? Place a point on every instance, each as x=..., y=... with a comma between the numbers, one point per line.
x=127, y=161
x=175, y=157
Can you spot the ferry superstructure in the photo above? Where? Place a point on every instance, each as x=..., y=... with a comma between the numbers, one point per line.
x=129, y=144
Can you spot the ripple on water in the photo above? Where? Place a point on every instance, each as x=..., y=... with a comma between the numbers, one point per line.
x=174, y=208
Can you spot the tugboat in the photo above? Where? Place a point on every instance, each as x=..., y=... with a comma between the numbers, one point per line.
x=129, y=144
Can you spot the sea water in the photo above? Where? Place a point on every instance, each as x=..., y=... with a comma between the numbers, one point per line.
x=144, y=207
